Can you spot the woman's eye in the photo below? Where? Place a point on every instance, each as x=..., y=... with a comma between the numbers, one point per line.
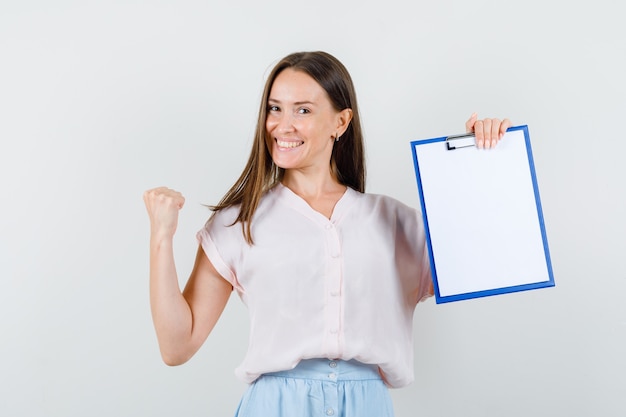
x=273, y=108
x=304, y=111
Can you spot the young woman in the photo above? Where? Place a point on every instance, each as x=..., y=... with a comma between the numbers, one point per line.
x=330, y=275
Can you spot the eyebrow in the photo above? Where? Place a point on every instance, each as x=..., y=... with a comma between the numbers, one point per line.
x=297, y=103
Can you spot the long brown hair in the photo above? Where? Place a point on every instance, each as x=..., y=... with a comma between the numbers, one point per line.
x=347, y=161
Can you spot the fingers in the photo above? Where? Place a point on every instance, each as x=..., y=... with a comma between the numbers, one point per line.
x=469, y=125
x=163, y=205
x=506, y=123
x=487, y=132
x=164, y=196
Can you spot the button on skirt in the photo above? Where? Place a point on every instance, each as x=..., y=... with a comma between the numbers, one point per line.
x=318, y=388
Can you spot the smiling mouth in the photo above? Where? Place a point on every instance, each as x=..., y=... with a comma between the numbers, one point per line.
x=288, y=144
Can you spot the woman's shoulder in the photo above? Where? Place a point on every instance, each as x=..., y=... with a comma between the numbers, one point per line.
x=386, y=201
x=229, y=215
x=224, y=216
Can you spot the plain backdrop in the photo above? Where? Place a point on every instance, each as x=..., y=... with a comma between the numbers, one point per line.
x=102, y=100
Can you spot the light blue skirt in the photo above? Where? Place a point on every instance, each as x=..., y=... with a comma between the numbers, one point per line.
x=318, y=388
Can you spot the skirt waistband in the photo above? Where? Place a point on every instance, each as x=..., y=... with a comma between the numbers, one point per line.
x=333, y=369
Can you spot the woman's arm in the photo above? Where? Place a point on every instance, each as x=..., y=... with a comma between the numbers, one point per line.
x=182, y=320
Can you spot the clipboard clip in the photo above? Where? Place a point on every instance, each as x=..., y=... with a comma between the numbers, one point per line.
x=464, y=140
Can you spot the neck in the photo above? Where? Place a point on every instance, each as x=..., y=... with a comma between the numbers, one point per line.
x=321, y=193
x=312, y=186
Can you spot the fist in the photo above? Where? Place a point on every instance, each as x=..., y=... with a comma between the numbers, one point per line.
x=163, y=205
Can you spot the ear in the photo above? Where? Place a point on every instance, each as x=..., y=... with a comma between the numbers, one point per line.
x=344, y=118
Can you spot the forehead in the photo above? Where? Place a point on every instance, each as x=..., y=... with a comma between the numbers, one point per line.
x=294, y=85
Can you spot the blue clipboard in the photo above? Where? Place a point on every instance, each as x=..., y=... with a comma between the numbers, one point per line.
x=482, y=216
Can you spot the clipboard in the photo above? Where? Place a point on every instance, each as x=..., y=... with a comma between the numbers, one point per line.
x=482, y=215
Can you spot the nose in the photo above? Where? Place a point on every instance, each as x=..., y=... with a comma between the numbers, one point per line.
x=281, y=123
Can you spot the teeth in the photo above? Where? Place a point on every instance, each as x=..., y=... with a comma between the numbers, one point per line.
x=288, y=144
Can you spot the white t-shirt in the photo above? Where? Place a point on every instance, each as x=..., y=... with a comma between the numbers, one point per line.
x=340, y=288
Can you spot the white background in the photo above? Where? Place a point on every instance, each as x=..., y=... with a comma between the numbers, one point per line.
x=102, y=100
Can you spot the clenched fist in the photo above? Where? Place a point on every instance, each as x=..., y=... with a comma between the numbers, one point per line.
x=163, y=205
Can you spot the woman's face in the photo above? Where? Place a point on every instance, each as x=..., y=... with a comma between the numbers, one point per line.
x=301, y=122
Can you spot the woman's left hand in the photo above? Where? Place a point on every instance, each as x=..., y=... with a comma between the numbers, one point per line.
x=488, y=132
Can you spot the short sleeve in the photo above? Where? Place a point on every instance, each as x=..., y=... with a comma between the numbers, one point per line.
x=414, y=237
x=426, y=281
x=221, y=242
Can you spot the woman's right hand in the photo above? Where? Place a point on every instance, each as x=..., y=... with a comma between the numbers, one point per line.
x=163, y=205
x=182, y=320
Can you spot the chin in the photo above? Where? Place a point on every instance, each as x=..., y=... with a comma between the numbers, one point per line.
x=283, y=164
x=281, y=161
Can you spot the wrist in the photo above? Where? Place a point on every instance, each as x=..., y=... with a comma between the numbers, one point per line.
x=159, y=240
